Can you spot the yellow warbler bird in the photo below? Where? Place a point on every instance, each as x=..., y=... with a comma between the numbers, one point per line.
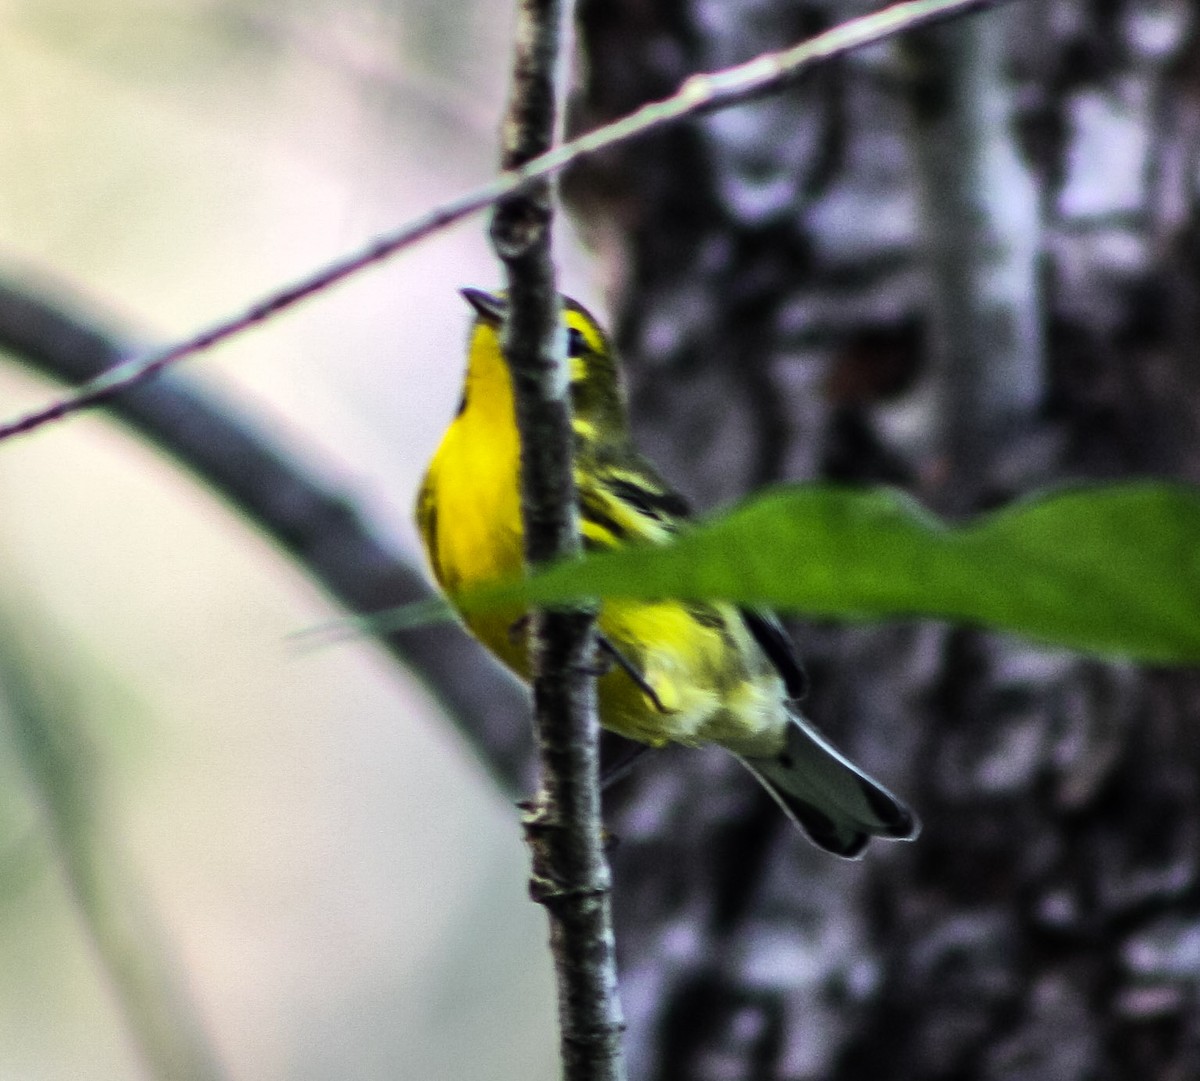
x=684, y=672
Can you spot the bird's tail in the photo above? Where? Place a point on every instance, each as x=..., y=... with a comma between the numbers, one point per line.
x=829, y=797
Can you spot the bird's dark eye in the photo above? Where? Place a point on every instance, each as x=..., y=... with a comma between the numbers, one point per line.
x=576, y=346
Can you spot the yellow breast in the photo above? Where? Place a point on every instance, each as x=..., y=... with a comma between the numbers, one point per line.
x=710, y=680
x=469, y=509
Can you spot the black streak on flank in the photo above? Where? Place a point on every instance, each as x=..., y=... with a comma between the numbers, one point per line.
x=707, y=616
x=593, y=511
x=664, y=506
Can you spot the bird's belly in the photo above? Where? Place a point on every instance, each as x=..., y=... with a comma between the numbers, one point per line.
x=710, y=681
x=709, y=687
x=706, y=688
x=485, y=544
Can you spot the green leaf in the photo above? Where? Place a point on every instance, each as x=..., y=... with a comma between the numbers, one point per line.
x=1106, y=569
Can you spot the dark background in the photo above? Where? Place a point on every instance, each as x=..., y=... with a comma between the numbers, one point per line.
x=965, y=265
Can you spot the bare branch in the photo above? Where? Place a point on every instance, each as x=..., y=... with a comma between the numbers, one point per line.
x=307, y=516
x=570, y=876
x=700, y=93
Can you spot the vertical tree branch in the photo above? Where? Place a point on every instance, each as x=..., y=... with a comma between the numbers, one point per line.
x=570, y=872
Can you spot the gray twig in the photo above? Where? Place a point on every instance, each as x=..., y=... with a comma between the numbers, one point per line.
x=570, y=877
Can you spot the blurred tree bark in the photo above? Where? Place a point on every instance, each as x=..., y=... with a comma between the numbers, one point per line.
x=968, y=265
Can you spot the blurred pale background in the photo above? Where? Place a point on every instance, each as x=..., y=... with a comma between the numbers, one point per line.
x=334, y=874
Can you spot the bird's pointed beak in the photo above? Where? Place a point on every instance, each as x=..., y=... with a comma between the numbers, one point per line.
x=489, y=307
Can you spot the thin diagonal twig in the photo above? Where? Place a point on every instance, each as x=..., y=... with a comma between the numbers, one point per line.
x=700, y=93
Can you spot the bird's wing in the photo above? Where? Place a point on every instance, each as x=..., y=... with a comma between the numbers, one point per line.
x=777, y=645
x=624, y=500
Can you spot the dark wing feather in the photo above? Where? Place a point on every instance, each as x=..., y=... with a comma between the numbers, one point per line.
x=773, y=639
x=650, y=497
x=623, y=499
